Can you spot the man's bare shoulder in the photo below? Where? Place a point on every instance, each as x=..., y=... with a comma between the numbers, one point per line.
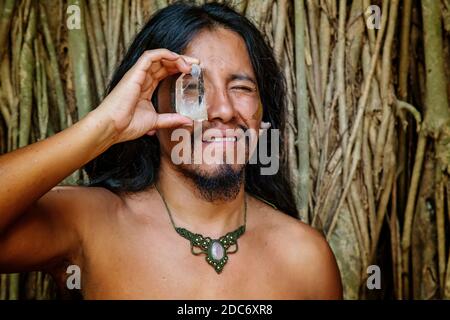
x=81, y=204
x=303, y=250
x=84, y=196
x=280, y=224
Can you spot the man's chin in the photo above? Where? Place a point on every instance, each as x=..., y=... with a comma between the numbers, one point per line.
x=215, y=182
x=214, y=170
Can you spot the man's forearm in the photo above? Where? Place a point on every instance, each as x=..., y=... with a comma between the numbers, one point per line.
x=28, y=173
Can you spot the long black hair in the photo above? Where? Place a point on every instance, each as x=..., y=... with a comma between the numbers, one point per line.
x=131, y=166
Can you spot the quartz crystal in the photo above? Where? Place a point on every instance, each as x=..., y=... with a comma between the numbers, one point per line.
x=190, y=100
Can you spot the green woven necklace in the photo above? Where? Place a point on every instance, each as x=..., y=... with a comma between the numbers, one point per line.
x=216, y=250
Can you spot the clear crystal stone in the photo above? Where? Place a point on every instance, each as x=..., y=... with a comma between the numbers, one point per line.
x=189, y=94
x=217, y=250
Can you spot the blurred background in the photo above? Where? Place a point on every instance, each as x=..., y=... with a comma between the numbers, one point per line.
x=368, y=114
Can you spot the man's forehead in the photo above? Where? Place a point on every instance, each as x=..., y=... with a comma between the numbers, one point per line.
x=220, y=49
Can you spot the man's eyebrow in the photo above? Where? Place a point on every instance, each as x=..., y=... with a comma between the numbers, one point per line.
x=241, y=76
x=237, y=76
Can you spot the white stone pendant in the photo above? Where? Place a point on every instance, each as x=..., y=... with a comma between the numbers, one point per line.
x=217, y=255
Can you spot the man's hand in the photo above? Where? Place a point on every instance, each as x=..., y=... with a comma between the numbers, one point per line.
x=129, y=104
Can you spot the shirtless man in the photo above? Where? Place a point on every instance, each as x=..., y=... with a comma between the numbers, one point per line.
x=123, y=242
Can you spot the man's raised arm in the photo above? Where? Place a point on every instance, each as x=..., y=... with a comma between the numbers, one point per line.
x=36, y=219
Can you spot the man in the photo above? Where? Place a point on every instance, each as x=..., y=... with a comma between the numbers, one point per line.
x=146, y=228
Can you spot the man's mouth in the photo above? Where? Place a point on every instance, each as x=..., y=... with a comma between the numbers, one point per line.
x=220, y=139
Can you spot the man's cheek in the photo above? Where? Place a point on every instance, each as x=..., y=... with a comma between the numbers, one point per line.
x=176, y=143
x=164, y=137
x=258, y=113
x=165, y=103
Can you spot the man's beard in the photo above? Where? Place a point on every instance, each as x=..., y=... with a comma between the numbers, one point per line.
x=223, y=184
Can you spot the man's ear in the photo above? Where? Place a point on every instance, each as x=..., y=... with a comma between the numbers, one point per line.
x=264, y=126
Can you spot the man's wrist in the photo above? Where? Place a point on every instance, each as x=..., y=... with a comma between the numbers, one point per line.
x=100, y=129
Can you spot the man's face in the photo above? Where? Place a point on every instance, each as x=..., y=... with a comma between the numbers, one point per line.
x=231, y=96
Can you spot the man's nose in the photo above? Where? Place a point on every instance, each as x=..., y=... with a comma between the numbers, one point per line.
x=219, y=105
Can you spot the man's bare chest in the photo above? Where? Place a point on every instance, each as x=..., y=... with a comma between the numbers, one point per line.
x=160, y=265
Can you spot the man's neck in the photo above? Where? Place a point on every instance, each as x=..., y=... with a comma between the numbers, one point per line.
x=191, y=211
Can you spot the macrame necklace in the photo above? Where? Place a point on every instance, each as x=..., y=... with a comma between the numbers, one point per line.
x=216, y=250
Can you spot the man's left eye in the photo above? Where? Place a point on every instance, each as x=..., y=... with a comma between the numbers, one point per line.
x=241, y=88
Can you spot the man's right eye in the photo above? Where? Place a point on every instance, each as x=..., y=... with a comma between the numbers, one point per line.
x=191, y=87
